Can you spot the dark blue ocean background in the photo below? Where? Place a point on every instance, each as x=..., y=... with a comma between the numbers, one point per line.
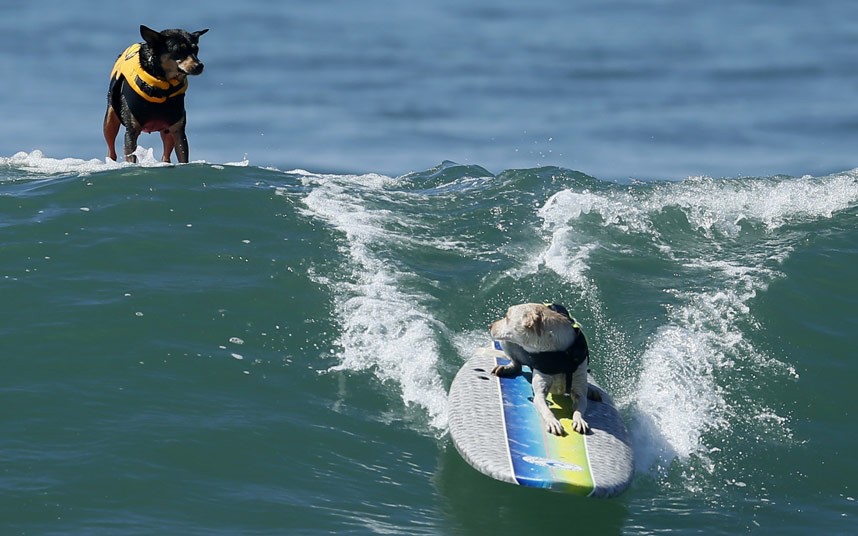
x=261, y=341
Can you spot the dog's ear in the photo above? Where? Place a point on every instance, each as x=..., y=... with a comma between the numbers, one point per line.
x=153, y=38
x=533, y=321
x=196, y=35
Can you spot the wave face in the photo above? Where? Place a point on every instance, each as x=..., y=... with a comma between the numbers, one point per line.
x=187, y=306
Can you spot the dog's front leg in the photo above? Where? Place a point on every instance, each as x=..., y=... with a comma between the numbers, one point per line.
x=579, y=396
x=167, y=141
x=180, y=141
x=507, y=371
x=541, y=386
x=517, y=356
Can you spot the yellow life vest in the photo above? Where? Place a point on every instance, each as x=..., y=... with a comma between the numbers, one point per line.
x=144, y=84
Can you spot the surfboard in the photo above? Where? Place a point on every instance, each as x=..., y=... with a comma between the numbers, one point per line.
x=497, y=430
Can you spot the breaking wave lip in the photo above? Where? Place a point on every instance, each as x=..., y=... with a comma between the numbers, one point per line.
x=384, y=328
x=678, y=398
x=38, y=164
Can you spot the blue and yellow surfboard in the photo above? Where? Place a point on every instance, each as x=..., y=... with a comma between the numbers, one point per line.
x=496, y=429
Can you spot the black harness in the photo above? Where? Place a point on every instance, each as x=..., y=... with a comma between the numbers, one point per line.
x=564, y=361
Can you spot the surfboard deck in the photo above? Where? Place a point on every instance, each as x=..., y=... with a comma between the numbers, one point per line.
x=496, y=429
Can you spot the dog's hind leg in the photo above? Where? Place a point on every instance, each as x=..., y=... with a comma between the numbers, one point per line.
x=111, y=130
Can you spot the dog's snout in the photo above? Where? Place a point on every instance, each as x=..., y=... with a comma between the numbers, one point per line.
x=198, y=69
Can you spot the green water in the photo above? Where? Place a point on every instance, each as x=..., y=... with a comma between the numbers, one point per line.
x=235, y=350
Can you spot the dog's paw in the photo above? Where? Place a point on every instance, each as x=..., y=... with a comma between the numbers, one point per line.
x=554, y=427
x=503, y=370
x=594, y=394
x=579, y=424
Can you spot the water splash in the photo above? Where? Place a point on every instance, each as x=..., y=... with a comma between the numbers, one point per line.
x=726, y=251
x=384, y=326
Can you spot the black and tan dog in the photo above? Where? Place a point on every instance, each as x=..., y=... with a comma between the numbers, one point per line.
x=147, y=91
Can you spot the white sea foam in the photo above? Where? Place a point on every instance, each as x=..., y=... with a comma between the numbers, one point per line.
x=569, y=249
x=722, y=205
x=384, y=327
x=39, y=165
x=568, y=257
